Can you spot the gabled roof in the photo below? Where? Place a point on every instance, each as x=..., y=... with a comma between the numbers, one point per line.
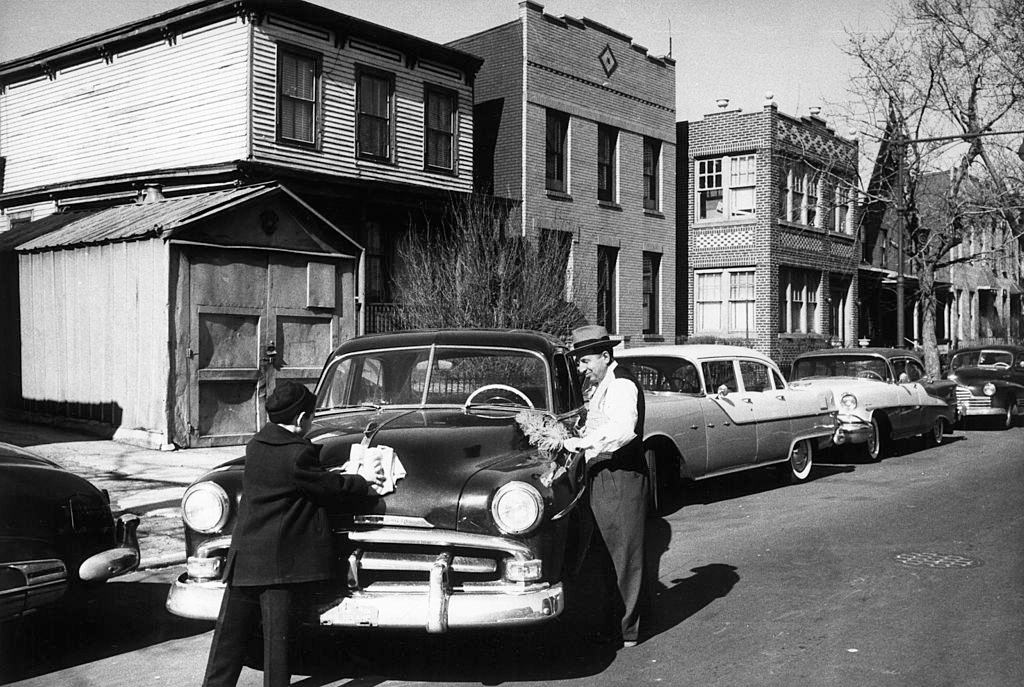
x=157, y=219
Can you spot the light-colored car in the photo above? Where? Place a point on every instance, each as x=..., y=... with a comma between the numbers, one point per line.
x=716, y=409
x=883, y=394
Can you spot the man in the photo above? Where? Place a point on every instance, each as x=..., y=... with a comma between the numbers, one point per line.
x=282, y=540
x=612, y=443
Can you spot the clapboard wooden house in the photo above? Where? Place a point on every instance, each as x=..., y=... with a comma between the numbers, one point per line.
x=244, y=170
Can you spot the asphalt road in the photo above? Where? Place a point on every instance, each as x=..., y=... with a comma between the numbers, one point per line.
x=905, y=572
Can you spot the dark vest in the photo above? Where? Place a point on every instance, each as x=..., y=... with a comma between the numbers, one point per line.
x=630, y=456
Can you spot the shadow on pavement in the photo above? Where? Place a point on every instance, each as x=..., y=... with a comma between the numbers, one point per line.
x=108, y=620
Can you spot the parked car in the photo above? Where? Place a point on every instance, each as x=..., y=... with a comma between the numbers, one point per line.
x=715, y=409
x=883, y=394
x=990, y=381
x=56, y=533
x=484, y=528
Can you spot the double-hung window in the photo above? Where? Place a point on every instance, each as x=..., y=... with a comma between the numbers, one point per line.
x=811, y=202
x=652, y=174
x=841, y=209
x=439, y=129
x=298, y=93
x=556, y=152
x=607, y=272
x=375, y=114
x=727, y=187
x=607, y=146
x=799, y=189
x=724, y=301
x=798, y=300
x=651, y=291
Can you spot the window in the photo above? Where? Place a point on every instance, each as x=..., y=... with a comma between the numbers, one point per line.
x=841, y=211
x=607, y=144
x=557, y=245
x=724, y=301
x=811, y=211
x=607, y=259
x=652, y=173
x=798, y=300
x=374, y=100
x=651, y=288
x=439, y=128
x=755, y=376
x=556, y=152
x=718, y=200
x=719, y=373
x=799, y=187
x=298, y=87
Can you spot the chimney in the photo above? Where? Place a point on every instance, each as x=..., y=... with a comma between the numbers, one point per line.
x=151, y=193
x=722, y=103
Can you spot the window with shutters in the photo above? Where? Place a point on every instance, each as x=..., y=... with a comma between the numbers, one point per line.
x=298, y=96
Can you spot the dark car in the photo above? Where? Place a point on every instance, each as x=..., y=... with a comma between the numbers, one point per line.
x=882, y=394
x=990, y=381
x=56, y=533
x=485, y=526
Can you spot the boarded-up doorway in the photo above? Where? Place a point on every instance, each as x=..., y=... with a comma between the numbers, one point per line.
x=256, y=318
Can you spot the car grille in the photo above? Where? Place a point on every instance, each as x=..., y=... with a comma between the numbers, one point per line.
x=85, y=514
x=965, y=397
x=379, y=558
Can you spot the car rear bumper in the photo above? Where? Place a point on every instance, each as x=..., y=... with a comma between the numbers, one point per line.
x=427, y=607
x=27, y=585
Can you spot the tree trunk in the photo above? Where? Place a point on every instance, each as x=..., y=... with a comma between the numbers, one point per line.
x=926, y=281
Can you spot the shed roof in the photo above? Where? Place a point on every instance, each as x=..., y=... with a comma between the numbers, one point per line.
x=154, y=219
x=22, y=233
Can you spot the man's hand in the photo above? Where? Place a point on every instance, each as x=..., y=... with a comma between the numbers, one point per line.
x=572, y=444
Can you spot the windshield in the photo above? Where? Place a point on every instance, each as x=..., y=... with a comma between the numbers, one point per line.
x=986, y=358
x=411, y=376
x=864, y=366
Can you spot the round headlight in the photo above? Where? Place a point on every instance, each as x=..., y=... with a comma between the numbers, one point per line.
x=517, y=508
x=204, y=507
x=989, y=389
x=848, y=401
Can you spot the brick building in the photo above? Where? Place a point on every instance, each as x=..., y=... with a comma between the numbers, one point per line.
x=576, y=122
x=771, y=231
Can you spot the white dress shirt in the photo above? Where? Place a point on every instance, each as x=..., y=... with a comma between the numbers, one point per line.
x=611, y=417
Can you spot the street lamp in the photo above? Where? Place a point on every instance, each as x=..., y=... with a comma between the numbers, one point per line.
x=901, y=143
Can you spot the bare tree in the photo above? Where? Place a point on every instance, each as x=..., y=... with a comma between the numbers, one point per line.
x=477, y=269
x=948, y=70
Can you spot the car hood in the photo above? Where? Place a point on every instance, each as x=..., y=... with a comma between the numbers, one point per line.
x=972, y=376
x=452, y=459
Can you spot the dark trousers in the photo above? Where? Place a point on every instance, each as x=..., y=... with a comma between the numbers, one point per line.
x=241, y=612
x=618, y=499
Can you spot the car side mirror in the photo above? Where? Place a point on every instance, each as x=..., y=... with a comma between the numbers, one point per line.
x=723, y=391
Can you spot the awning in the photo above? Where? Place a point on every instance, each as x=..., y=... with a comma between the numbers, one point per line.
x=159, y=218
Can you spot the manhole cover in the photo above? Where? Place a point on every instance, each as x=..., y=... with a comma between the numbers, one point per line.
x=936, y=560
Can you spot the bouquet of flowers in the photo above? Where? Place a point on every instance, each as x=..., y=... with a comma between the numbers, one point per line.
x=542, y=430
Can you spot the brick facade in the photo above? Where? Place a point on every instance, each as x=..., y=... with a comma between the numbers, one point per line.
x=540, y=63
x=764, y=242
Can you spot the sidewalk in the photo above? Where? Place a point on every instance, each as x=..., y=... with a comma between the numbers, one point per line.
x=143, y=481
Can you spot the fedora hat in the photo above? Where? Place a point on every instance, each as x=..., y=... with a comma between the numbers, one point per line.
x=591, y=338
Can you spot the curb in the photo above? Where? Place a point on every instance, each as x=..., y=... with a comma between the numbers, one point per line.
x=164, y=561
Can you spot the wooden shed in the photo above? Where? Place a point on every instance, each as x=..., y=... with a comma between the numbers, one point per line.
x=176, y=316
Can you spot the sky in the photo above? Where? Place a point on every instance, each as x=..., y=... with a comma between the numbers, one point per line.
x=735, y=49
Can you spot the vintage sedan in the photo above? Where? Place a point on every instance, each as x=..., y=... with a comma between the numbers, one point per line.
x=715, y=409
x=883, y=395
x=488, y=520
x=990, y=382
x=56, y=533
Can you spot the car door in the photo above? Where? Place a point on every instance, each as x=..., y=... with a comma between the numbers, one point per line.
x=768, y=407
x=729, y=421
x=911, y=395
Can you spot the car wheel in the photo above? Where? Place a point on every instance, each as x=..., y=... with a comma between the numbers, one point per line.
x=875, y=447
x=801, y=460
x=937, y=433
x=664, y=482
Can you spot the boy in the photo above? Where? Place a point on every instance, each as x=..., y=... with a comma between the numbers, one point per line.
x=282, y=539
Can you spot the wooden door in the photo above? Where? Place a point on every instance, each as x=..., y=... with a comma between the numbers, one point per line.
x=256, y=318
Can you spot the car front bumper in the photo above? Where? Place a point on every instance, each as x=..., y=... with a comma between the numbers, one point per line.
x=852, y=430
x=428, y=607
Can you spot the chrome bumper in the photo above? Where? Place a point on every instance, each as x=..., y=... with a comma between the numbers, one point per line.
x=852, y=431
x=429, y=607
x=121, y=559
x=26, y=585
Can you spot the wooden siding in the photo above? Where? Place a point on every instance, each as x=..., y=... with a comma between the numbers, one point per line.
x=163, y=105
x=94, y=330
x=337, y=153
